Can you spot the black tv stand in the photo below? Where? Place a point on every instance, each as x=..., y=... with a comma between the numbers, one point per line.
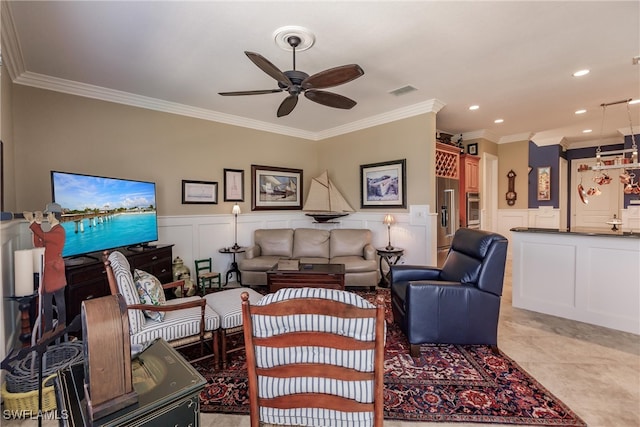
x=88, y=279
x=141, y=247
x=79, y=259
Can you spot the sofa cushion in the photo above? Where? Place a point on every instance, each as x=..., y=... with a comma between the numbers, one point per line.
x=127, y=288
x=346, y=242
x=275, y=242
x=355, y=264
x=310, y=243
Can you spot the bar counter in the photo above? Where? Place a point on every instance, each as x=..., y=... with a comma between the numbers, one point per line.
x=588, y=275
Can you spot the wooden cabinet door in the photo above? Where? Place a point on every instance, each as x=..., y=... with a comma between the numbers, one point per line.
x=472, y=167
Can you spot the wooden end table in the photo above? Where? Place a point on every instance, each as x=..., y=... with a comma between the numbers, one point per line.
x=390, y=256
x=307, y=276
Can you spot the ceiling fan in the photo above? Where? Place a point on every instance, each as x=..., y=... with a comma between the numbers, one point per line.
x=296, y=82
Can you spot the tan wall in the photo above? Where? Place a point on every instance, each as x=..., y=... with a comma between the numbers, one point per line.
x=8, y=190
x=514, y=156
x=55, y=131
x=412, y=139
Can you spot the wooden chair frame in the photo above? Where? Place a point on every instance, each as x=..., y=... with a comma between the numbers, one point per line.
x=201, y=338
x=324, y=339
x=208, y=277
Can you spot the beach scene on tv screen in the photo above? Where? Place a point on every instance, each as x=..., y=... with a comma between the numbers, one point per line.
x=103, y=213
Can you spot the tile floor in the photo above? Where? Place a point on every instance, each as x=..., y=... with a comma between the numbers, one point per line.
x=594, y=370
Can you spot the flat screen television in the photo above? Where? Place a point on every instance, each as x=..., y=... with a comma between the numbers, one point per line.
x=100, y=213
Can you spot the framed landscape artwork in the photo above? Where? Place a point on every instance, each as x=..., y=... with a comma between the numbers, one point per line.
x=274, y=188
x=234, y=185
x=383, y=185
x=199, y=192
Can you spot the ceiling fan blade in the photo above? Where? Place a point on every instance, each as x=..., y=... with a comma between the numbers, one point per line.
x=333, y=77
x=250, y=92
x=265, y=65
x=287, y=105
x=330, y=99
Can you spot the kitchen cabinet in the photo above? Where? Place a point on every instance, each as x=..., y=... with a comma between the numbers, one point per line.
x=469, y=183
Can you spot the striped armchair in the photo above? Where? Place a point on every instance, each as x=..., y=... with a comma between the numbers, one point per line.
x=315, y=357
x=187, y=321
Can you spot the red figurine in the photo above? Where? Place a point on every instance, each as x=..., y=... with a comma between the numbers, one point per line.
x=54, y=279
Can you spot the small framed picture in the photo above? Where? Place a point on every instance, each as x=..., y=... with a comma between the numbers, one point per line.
x=233, y=185
x=274, y=188
x=544, y=183
x=383, y=185
x=472, y=149
x=199, y=192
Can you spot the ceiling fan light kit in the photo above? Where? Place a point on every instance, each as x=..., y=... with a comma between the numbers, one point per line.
x=296, y=82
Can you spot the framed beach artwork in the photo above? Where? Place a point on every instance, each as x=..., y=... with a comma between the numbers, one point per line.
x=544, y=183
x=383, y=185
x=199, y=192
x=233, y=185
x=274, y=188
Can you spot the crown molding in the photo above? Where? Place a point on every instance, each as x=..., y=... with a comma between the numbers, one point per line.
x=11, y=51
x=97, y=92
x=429, y=106
x=42, y=81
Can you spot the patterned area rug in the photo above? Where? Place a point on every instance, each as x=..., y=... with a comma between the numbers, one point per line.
x=447, y=383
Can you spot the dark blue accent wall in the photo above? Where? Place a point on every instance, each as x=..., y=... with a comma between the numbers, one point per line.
x=548, y=155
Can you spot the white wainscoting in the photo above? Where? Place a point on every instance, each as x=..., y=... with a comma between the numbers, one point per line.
x=196, y=237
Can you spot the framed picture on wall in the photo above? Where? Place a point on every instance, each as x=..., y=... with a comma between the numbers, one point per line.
x=234, y=185
x=199, y=192
x=544, y=183
x=274, y=188
x=383, y=185
x=472, y=149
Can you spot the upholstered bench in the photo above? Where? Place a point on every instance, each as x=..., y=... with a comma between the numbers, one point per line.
x=227, y=304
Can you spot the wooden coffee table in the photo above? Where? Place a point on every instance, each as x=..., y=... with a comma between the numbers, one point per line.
x=307, y=276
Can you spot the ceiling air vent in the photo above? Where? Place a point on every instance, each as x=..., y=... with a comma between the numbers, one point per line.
x=403, y=90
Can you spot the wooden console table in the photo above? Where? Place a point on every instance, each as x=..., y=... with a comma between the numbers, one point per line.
x=168, y=392
x=308, y=275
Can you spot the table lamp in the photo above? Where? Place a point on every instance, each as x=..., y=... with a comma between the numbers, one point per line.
x=235, y=211
x=388, y=220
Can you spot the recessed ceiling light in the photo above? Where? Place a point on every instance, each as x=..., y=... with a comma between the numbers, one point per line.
x=581, y=111
x=581, y=73
x=498, y=121
x=587, y=131
x=474, y=107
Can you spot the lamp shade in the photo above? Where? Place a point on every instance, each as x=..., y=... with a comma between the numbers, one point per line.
x=236, y=209
x=388, y=219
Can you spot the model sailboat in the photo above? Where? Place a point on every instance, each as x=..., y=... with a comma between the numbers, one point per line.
x=325, y=202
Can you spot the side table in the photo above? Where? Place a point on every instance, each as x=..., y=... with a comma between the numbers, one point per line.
x=390, y=257
x=234, y=264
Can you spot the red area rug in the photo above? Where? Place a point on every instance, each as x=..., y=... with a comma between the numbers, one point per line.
x=447, y=383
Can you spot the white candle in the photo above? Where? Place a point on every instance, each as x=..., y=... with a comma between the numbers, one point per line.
x=23, y=269
x=38, y=259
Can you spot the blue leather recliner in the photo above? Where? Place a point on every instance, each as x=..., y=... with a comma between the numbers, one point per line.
x=457, y=304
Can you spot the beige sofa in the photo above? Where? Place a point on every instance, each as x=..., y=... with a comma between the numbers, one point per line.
x=351, y=247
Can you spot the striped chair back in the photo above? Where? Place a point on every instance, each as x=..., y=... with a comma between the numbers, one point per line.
x=315, y=355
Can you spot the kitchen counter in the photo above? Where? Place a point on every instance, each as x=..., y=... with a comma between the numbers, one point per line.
x=580, y=231
x=589, y=275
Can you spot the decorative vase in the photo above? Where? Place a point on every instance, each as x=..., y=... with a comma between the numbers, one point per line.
x=179, y=269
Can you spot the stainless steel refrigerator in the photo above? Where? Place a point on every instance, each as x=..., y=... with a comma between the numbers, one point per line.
x=448, y=212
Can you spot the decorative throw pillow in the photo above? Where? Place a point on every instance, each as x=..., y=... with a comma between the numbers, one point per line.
x=150, y=292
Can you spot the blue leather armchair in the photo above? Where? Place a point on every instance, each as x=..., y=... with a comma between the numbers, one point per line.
x=457, y=304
